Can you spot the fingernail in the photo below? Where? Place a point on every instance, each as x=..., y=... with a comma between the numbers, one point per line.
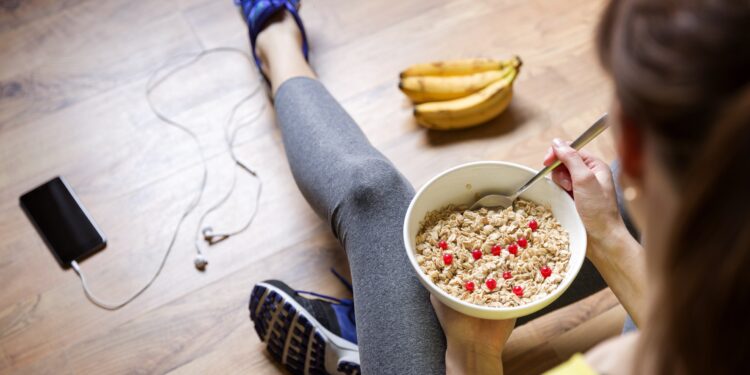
x=557, y=142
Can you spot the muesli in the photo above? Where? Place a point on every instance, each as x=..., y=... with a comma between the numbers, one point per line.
x=492, y=257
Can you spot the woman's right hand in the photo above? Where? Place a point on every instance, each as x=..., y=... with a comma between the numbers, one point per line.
x=616, y=254
x=590, y=182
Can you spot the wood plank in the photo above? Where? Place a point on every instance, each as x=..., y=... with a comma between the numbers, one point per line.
x=588, y=334
x=93, y=48
x=549, y=340
x=3, y=361
x=14, y=13
x=116, y=144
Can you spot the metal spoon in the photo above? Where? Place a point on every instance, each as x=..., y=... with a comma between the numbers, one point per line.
x=498, y=200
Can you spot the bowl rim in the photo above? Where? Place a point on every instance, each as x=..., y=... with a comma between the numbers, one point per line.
x=561, y=288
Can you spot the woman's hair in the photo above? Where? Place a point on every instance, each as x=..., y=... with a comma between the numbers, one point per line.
x=682, y=73
x=675, y=65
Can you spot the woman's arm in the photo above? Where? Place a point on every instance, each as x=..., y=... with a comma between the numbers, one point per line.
x=620, y=260
x=616, y=254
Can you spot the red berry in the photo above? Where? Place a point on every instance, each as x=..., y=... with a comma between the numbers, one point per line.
x=518, y=290
x=507, y=275
x=476, y=254
x=513, y=249
x=491, y=284
x=496, y=250
x=533, y=225
x=469, y=286
x=443, y=245
x=447, y=259
x=523, y=243
x=545, y=271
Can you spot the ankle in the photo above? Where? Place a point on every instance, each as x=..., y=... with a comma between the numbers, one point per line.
x=271, y=46
x=280, y=34
x=279, y=47
x=282, y=67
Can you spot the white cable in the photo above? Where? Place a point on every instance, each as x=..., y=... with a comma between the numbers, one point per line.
x=208, y=234
x=151, y=85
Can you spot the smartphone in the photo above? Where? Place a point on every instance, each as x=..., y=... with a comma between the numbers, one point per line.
x=62, y=221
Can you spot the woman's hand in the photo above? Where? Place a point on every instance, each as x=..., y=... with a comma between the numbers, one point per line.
x=590, y=181
x=616, y=254
x=474, y=345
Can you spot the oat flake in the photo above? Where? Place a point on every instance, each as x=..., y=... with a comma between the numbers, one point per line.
x=482, y=229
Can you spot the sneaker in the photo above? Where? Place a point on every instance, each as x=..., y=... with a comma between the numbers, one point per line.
x=256, y=14
x=306, y=335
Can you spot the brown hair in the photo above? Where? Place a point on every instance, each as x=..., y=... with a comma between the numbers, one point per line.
x=682, y=73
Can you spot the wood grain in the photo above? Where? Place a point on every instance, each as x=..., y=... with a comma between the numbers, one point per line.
x=72, y=78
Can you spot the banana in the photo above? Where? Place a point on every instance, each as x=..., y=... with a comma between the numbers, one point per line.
x=431, y=88
x=457, y=67
x=468, y=111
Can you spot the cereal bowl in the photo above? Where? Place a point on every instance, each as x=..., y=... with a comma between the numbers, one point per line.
x=463, y=185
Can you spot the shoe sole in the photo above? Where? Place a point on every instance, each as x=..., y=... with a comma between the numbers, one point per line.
x=296, y=339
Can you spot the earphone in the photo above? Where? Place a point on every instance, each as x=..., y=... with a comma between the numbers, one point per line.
x=206, y=233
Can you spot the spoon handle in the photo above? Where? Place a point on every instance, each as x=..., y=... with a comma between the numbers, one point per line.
x=597, y=128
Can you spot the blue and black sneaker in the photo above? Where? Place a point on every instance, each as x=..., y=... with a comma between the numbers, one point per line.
x=257, y=13
x=306, y=335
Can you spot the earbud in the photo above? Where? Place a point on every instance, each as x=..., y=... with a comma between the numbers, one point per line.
x=200, y=262
x=212, y=238
x=207, y=233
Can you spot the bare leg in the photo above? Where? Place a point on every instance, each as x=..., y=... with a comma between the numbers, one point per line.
x=280, y=50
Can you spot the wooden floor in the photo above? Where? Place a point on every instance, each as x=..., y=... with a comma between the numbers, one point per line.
x=72, y=76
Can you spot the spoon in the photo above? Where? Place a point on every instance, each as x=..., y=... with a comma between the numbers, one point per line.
x=503, y=201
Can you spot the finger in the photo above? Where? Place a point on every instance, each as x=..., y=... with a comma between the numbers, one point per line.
x=435, y=303
x=591, y=160
x=579, y=171
x=587, y=155
x=549, y=157
x=441, y=310
x=601, y=169
x=561, y=176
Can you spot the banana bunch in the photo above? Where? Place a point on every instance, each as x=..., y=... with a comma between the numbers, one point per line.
x=459, y=94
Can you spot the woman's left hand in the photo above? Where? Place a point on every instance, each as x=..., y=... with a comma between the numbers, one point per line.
x=473, y=345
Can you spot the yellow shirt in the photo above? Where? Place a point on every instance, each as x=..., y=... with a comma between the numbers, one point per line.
x=576, y=365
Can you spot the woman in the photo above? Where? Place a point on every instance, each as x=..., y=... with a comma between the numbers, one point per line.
x=681, y=119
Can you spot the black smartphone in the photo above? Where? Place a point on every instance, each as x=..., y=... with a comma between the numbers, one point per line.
x=62, y=221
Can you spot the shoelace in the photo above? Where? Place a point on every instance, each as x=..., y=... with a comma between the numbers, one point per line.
x=343, y=280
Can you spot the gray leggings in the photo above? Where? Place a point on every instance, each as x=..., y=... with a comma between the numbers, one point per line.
x=364, y=198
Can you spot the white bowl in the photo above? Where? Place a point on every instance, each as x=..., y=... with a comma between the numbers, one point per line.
x=463, y=185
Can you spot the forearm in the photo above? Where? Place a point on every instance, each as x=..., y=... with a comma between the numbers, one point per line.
x=620, y=260
x=464, y=359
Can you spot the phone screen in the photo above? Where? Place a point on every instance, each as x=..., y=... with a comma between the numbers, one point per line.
x=62, y=221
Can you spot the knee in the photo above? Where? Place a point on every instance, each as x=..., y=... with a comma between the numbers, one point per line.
x=375, y=182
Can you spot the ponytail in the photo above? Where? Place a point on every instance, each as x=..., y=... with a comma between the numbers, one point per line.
x=701, y=321
x=676, y=64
